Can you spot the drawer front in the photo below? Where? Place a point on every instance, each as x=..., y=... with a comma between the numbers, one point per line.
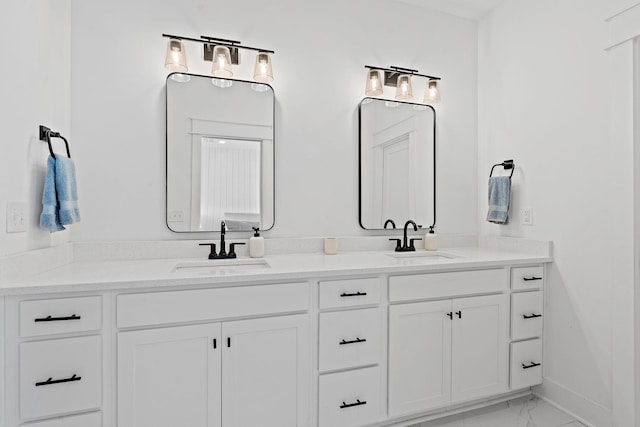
x=60, y=376
x=526, y=315
x=60, y=316
x=439, y=285
x=350, y=399
x=523, y=278
x=209, y=304
x=526, y=363
x=350, y=339
x=349, y=293
x=93, y=419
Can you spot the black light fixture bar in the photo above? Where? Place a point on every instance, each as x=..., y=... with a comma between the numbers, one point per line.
x=218, y=42
x=401, y=70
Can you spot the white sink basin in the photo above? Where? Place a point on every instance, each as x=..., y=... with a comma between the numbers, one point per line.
x=422, y=257
x=221, y=266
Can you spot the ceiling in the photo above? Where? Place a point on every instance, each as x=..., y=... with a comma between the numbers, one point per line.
x=471, y=9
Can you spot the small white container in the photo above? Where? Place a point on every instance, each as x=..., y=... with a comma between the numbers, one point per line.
x=330, y=245
x=431, y=240
x=256, y=244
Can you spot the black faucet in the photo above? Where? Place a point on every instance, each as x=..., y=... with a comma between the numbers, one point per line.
x=223, y=252
x=389, y=221
x=406, y=247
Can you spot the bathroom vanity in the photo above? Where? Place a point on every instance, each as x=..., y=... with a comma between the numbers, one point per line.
x=308, y=340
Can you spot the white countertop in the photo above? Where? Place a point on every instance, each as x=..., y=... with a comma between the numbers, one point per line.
x=145, y=273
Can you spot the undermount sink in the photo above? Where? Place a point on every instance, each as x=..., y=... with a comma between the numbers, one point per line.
x=221, y=266
x=422, y=257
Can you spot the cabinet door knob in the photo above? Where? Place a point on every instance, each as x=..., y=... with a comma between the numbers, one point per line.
x=450, y=314
x=459, y=314
x=57, y=319
x=357, y=294
x=532, y=365
x=51, y=381
x=356, y=403
x=531, y=316
x=357, y=340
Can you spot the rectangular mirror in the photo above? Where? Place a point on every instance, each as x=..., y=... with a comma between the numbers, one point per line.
x=397, y=163
x=220, y=154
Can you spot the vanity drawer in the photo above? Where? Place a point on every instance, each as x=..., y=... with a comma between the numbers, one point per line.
x=526, y=315
x=155, y=308
x=351, y=398
x=60, y=316
x=60, y=376
x=439, y=285
x=350, y=338
x=526, y=363
x=523, y=278
x=349, y=293
x=93, y=419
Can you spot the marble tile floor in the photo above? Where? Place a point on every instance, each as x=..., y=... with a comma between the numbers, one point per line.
x=527, y=411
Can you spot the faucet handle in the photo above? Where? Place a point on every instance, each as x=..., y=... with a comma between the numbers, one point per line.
x=398, y=245
x=232, y=249
x=212, y=254
x=411, y=243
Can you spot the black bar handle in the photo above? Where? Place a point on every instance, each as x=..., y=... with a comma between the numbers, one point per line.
x=350, y=405
x=215, y=343
x=229, y=342
x=450, y=314
x=531, y=316
x=357, y=340
x=57, y=319
x=52, y=381
x=528, y=279
x=357, y=294
x=532, y=365
x=459, y=314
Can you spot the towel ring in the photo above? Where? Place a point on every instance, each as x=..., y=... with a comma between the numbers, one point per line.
x=507, y=164
x=46, y=134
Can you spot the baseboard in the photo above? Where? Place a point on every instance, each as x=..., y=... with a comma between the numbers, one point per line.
x=579, y=407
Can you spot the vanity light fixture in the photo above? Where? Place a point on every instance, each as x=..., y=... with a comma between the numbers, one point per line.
x=222, y=53
x=400, y=78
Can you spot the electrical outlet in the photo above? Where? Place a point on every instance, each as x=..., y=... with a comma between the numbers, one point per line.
x=175, y=216
x=16, y=217
x=527, y=216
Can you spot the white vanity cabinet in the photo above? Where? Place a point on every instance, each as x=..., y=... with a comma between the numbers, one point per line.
x=450, y=350
x=232, y=373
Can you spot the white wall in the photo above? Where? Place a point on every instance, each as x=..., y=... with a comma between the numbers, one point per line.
x=544, y=100
x=34, y=86
x=321, y=49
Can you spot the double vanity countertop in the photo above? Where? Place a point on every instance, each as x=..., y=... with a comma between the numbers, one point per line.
x=92, y=275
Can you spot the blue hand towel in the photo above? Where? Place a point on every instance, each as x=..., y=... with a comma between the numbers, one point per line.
x=499, y=199
x=67, y=191
x=49, y=218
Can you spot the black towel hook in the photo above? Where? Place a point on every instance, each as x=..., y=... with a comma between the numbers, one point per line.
x=507, y=164
x=46, y=134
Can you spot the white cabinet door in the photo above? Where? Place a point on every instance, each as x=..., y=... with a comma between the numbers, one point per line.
x=419, y=356
x=265, y=372
x=169, y=377
x=479, y=343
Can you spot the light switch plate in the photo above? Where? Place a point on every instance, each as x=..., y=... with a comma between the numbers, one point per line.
x=16, y=217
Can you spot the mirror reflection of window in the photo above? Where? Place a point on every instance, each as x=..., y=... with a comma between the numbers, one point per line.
x=229, y=183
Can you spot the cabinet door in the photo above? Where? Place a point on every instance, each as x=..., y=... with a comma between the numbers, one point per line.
x=169, y=377
x=419, y=356
x=266, y=369
x=479, y=343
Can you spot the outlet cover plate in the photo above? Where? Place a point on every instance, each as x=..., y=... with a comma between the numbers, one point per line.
x=16, y=217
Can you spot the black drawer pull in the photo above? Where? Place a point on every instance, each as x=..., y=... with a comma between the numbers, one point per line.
x=531, y=316
x=533, y=365
x=52, y=381
x=357, y=294
x=57, y=319
x=357, y=340
x=528, y=279
x=349, y=405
